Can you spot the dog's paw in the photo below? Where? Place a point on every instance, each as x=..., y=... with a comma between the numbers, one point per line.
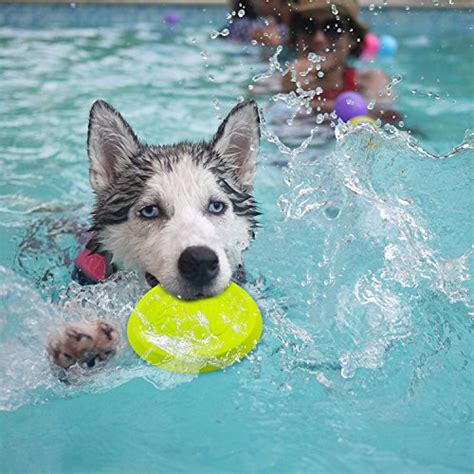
x=106, y=342
x=85, y=343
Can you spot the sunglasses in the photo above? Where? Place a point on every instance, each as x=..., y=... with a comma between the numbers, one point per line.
x=333, y=29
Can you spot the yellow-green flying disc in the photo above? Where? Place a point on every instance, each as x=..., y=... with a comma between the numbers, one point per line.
x=194, y=336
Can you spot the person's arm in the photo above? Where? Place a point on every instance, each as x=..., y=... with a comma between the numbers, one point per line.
x=375, y=86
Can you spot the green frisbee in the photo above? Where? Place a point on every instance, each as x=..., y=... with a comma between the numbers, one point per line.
x=194, y=336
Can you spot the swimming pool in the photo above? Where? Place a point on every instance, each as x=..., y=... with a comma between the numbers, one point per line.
x=361, y=267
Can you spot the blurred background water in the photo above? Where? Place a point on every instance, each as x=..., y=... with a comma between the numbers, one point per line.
x=361, y=267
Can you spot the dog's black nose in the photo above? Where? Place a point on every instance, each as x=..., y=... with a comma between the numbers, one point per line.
x=198, y=265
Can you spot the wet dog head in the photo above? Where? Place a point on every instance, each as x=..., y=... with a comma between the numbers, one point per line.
x=181, y=213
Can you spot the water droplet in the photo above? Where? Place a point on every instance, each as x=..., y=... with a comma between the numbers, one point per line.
x=211, y=77
x=193, y=40
x=241, y=13
x=371, y=7
x=407, y=9
x=334, y=9
x=217, y=104
x=332, y=212
x=371, y=105
x=204, y=55
x=285, y=387
x=73, y=5
x=215, y=34
x=396, y=79
x=323, y=380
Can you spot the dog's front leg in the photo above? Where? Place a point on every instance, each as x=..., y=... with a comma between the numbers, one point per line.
x=84, y=343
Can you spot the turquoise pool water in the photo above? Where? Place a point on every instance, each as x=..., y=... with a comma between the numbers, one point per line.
x=361, y=268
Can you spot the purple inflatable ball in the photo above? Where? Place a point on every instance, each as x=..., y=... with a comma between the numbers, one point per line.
x=349, y=105
x=171, y=18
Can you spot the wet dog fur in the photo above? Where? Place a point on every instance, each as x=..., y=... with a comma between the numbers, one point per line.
x=180, y=214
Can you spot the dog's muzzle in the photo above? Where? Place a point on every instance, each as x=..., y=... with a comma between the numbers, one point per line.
x=198, y=265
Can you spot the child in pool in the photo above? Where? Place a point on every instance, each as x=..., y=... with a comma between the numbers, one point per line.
x=264, y=22
x=331, y=30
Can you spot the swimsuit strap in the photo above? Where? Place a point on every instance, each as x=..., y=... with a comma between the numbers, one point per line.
x=350, y=84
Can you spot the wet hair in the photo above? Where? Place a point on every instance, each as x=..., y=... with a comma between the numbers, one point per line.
x=351, y=27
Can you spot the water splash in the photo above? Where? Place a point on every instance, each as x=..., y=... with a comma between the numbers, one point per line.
x=27, y=377
x=222, y=33
x=373, y=247
x=293, y=123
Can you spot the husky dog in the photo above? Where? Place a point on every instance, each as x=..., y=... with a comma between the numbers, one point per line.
x=179, y=214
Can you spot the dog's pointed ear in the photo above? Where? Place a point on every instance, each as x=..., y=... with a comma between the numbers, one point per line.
x=237, y=141
x=110, y=143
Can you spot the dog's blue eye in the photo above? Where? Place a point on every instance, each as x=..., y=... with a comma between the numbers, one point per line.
x=216, y=207
x=149, y=212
